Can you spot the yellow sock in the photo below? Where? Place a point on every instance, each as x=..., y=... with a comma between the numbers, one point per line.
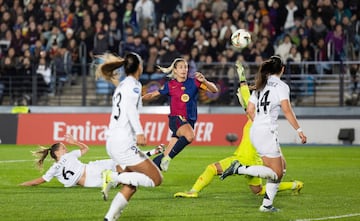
x=286, y=186
x=283, y=186
x=205, y=178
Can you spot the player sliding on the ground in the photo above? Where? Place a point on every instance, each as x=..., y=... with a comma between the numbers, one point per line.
x=245, y=153
x=70, y=171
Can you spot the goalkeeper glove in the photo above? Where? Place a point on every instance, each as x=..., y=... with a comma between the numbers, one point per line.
x=240, y=71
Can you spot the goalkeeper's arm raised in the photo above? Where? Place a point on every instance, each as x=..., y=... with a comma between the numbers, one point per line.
x=243, y=91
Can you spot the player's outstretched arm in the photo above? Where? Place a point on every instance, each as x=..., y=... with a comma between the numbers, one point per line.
x=151, y=96
x=243, y=91
x=71, y=140
x=208, y=85
x=34, y=182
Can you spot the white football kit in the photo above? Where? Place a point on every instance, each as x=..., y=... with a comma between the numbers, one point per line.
x=69, y=169
x=264, y=133
x=125, y=123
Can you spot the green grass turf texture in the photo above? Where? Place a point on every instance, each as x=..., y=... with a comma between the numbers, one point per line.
x=331, y=175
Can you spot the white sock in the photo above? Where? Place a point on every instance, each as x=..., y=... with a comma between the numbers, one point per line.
x=133, y=178
x=116, y=207
x=258, y=171
x=271, y=190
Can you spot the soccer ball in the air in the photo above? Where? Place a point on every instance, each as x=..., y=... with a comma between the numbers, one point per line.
x=240, y=38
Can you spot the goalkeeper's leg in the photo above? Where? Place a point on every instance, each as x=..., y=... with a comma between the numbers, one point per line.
x=202, y=181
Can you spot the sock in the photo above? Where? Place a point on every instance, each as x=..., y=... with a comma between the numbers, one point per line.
x=133, y=178
x=157, y=160
x=205, y=178
x=282, y=187
x=258, y=171
x=286, y=186
x=271, y=190
x=155, y=151
x=150, y=153
x=178, y=147
x=116, y=207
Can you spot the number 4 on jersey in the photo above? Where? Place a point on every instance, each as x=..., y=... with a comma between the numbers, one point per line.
x=263, y=101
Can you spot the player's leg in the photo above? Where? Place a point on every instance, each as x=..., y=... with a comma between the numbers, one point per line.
x=157, y=160
x=183, y=130
x=257, y=171
x=296, y=186
x=186, y=136
x=143, y=174
x=255, y=185
x=206, y=177
x=119, y=202
x=202, y=181
x=155, y=151
x=272, y=185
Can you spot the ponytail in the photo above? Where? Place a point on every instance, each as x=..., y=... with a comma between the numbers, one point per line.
x=271, y=66
x=262, y=75
x=107, y=68
x=42, y=153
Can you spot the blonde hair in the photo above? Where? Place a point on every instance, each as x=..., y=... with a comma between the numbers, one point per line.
x=42, y=153
x=170, y=69
x=107, y=69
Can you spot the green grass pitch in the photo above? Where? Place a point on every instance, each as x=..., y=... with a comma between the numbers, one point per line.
x=331, y=175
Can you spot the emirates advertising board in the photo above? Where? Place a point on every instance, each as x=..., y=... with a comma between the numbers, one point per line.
x=45, y=129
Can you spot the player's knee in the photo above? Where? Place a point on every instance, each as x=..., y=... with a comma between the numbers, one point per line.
x=158, y=180
x=128, y=189
x=190, y=137
x=279, y=175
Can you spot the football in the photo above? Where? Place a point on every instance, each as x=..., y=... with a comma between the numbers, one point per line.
x=240, y=38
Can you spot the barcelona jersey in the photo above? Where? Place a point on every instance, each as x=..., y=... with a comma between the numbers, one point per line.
x=182, y=97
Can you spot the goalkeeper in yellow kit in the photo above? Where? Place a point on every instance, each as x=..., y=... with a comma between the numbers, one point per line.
x=245, y=153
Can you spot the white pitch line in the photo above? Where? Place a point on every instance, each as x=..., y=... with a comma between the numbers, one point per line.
x=14, y=161
x=18, y=161
x=330, y=217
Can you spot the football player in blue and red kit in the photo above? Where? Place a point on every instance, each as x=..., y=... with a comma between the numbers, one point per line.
x=183, y=93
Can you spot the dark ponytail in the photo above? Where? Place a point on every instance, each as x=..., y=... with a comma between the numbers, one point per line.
x=271, y=66
x=131, y=63
x=42, y=153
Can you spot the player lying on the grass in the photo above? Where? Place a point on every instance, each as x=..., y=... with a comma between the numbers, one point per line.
x=70, y=171
x=245, y=153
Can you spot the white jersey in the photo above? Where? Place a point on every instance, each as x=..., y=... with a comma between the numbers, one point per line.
x=67, y=170
x=268, y=102
x=124, y=120
x=125, y=123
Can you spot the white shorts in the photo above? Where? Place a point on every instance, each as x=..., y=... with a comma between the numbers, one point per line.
x=93, y=171
x=124, y=152
x=265, y=141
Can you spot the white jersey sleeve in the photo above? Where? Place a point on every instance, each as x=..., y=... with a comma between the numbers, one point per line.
x=67, y=170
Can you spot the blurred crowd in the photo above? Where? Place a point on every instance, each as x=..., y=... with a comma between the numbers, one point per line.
x=46, y=40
